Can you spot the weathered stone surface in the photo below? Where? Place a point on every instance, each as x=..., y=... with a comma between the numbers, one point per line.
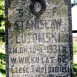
x=39, y=47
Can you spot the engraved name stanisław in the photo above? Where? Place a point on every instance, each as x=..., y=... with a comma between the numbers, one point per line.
x=39, y=47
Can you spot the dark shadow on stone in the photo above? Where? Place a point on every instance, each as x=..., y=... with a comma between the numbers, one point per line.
x=67, y=2
x=9, y=2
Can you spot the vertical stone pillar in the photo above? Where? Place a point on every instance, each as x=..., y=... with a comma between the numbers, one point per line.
x=38, y=38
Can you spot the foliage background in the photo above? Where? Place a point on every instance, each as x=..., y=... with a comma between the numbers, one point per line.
x=2, y=39
x=2, y=43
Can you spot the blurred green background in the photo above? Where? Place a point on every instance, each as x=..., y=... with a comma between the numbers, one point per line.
x=2, y=44
x=2, y=40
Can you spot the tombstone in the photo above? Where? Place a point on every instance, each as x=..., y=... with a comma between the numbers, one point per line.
x=38, y=38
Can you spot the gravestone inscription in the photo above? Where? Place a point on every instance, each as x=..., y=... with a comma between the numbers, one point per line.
x=38, y=41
